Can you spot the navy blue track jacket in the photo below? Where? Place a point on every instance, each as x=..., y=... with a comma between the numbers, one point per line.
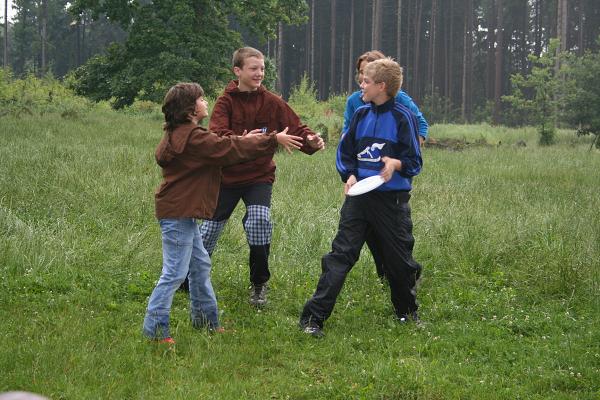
x=389, y=129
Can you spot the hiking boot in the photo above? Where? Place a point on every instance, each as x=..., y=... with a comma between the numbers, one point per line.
x=258, y=295
x=312, y=328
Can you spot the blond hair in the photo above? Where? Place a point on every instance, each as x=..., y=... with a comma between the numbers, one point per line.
x=240, y=55
x=387, y=71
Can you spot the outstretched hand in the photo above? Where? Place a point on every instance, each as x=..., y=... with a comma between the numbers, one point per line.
x=315, y=141
x=289, y=142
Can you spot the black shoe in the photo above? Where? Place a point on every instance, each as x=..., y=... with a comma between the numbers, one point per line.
x=410, y=317
x=258, y=295
x=312, y=328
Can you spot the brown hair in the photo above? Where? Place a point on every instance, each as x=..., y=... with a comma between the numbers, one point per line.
x=240, y=55
x=179, y=103
x=369, y=56
x=387, y=71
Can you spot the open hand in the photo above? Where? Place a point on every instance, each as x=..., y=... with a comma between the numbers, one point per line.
x=289, y=142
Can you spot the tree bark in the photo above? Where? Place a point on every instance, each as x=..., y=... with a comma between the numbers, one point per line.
x=499, y=62
x=399, y=31
x=351, y=51
x=44, y=35
x=312, y=40
x=280, y=78
x=467, y=61
x=432, y=34
x=376, y=31
x=418, y=14
x=332, y=80
x=5, y=34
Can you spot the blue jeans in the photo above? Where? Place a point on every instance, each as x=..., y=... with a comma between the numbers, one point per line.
x=183, y=252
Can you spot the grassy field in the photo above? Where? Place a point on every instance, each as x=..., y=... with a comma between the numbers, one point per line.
x=509, y=238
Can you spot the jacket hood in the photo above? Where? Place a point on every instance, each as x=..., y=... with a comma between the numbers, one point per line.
x=232, y=88
x=173, y=144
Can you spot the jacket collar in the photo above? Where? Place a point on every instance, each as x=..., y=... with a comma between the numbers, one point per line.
x=232, y=89
x=385, y=107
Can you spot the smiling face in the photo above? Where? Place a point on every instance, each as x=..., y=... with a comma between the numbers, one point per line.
x=251, y=74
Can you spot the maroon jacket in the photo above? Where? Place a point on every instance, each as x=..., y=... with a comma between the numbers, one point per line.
x=191, y=159
x=236, y=111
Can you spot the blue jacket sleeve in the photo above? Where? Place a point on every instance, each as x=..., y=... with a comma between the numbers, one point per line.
x=345, y=160
x=411, y=150
x=407, y=101
x=352, y=103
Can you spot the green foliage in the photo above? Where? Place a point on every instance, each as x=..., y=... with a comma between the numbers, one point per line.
x=171, y=41
x=323, y=117
x=537, y=94
x=31, y=95
x=439, y=109
x=582, y=100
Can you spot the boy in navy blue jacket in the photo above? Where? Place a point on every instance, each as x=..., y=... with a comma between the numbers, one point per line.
x=382, y=139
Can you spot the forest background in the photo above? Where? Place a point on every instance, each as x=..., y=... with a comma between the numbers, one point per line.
x=458, y=55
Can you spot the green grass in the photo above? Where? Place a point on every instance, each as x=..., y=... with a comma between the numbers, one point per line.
x=509, y=238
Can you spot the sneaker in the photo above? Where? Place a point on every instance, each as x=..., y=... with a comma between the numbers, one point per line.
x=168, y=340
x=258, y=295
x=313, y=329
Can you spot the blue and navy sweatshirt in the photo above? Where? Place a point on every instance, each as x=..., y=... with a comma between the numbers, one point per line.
x=389, y=129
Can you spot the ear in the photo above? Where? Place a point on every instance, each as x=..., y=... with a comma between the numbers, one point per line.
x=237, y=71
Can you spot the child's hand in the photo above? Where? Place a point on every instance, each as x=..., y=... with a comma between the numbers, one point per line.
x=289, y=142
x=315, y=141
x=391, y=165
x=349, y=183
x=253, y=132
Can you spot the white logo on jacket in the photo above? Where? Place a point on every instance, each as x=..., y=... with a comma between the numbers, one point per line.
x=371, y=153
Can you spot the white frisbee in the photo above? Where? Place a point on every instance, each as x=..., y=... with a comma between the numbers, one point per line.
x=366, y=185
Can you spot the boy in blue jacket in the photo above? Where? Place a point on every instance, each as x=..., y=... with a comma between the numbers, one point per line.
x=382, y=139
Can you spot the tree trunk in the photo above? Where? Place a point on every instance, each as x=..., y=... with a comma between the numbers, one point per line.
x=467, y=61
x=279, y=60
x=416, y=65
x=538, y=28
x=332, y=83
x=44, y=35
x=499, y=62
x=399, y=31
x=376, y=31
x=312, y=40
x=580, y=45
x=5, y=34
x=351, y=51
x=431, y=66
x=561, y=30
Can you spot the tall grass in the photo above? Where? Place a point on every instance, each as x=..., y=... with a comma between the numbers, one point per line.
x=508, y=236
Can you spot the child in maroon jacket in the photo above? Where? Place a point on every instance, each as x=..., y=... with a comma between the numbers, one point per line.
x=246, y=105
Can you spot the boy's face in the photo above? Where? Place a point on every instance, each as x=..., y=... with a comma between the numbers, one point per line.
x=372, y=91
x=251, y=74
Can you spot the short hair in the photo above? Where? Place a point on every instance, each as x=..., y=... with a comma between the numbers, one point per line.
x=369, y=56
x=179, y=103
x=387, y=71
x=240, y=55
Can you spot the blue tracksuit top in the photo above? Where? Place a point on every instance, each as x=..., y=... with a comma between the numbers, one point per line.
x=389, y=129
x=355, y=100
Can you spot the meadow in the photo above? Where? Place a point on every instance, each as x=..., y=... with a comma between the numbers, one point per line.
x=509, y=237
